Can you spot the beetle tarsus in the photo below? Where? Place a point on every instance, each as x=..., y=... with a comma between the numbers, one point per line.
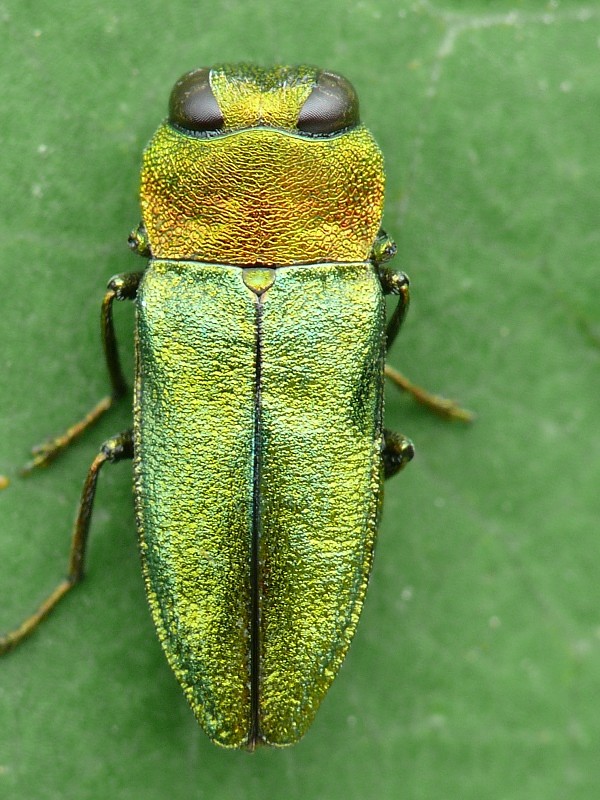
x=47, y=452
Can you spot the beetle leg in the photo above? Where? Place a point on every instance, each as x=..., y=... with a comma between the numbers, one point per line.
x=397, y=283
x=396, y=452
x=442, y=406
x=116, y=449
x=120, y=287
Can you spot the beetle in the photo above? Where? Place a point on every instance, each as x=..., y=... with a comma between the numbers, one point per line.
x=258, y=443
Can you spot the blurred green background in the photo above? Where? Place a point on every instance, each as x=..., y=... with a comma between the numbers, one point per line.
x=475, y=673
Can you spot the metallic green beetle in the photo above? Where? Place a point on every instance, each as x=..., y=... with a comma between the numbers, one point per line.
x=258, y=445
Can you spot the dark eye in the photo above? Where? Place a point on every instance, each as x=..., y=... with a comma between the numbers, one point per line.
x=192, y=105
x=331, y=106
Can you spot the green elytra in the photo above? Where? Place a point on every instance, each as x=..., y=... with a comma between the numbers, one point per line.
x=257, y=557
x=258, y=439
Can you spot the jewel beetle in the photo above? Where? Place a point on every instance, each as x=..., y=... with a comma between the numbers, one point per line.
x=258, y=443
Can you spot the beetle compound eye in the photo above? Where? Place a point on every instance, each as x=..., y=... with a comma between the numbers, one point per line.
x=192, y=105
x=331, y=106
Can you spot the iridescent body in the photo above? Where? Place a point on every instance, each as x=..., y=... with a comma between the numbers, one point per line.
x=258, y=431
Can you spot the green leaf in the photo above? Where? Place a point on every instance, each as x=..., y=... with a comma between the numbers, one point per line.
x=475, y=673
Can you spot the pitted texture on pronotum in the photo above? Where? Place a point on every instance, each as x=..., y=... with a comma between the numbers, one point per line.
x=262, y=191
